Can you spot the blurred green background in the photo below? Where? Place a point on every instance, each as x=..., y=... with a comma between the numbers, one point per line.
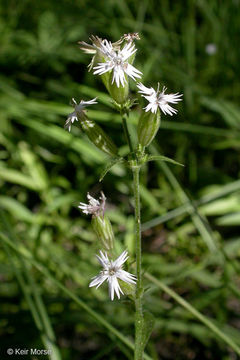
x=191, y=215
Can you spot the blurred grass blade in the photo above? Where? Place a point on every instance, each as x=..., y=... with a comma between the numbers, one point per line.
x=16, y=177
x=229, y=220
x=60, y=135
x=33, y=297
x=198, y=129
x=229, y=111
x=34, y=166
x=47, y=341
x=18, y=210
x=172, y=214
x=200, y=223
x=206, y=321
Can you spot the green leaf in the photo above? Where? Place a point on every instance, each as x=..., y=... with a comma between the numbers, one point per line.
x=109, y=165
x=229, y=111
x=199, y=221
x=64, y=137
x=34, y=166
x=148, y=324
x=163, y=158
x=16, y=177
x=229, y=220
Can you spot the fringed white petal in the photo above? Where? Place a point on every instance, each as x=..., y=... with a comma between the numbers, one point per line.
x=112, y=271
x=78, y=111
x=158, y=99
x=98, y=280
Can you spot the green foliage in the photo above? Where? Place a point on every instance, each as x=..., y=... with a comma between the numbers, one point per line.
x=191, y=213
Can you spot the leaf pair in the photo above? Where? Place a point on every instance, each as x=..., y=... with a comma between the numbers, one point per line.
x=119, y=159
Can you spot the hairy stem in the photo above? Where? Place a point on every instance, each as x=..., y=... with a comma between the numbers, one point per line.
x=138, y=355
x=126, y=132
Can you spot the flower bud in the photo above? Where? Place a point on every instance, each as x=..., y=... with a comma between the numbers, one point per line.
x=103, y=229
x=148, y=126
x=97, y=136
x=100, y=222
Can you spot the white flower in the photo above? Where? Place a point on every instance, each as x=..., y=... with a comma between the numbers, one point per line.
x=100, y=46
x=112, y=271
x=116, y=61
x=95, y=207
x=79, y=111
x=158, y=99
x=88, y=48
x=106, y=48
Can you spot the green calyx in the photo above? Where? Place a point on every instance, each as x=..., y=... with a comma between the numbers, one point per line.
x=148, y=126
x=99, y=58
x=103, y=229
x=97, y=136
x=119, y=94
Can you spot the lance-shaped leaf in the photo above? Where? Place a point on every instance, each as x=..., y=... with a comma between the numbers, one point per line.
x=110, y=164
x=148, y=324
x=163, y=158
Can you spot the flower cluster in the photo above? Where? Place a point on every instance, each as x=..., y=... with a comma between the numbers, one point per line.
x=112, y=270
x=113, y=62
x=115, y=59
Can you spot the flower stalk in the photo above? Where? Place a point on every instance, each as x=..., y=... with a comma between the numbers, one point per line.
x=126, y=132
x=138, y=353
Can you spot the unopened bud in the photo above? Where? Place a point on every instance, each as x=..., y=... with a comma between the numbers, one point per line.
x=103, y=229
x=97, y=136
x=148, y=126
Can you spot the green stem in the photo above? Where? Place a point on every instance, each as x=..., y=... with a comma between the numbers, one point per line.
x=138, y=354
x=126, y=132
